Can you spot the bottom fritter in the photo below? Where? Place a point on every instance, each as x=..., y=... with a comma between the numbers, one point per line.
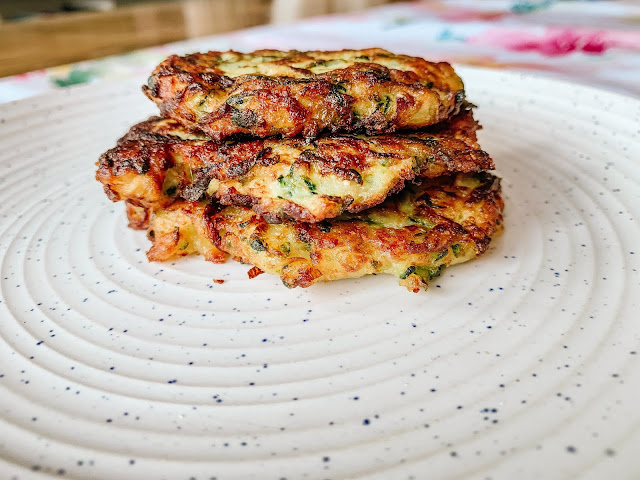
x=412, y=235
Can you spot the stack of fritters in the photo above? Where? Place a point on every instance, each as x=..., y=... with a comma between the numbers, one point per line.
x=315, y=166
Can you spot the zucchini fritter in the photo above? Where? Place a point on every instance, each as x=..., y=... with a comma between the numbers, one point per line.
x=412, y=235
x=159, y=161
x=270, y=92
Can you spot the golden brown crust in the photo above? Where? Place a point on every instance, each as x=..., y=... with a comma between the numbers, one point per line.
x=269, y=92
x=159, y=161
x=132, y=171
x=179, y=230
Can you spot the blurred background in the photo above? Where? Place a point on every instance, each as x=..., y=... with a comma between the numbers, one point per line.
x=50, y=44
x=36, y=34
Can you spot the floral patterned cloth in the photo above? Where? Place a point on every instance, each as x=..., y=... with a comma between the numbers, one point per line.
x=592, y=42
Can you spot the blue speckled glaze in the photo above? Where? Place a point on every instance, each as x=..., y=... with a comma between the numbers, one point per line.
x=518, y=365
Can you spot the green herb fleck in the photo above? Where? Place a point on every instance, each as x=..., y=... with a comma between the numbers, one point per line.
x=441, y=255
x=456, y=249
x=235, y=100
x=257, y=245
x=310, y=185
x=421, y=221
x=243, y=118
x=408, y=272
x=384, y=104
x=285, y=248
x=428, y=273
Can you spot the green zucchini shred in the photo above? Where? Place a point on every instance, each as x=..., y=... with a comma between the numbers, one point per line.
x=408, y=272
x=310, y=185
x=441, y=255
x=257, y=245
x=421, y=221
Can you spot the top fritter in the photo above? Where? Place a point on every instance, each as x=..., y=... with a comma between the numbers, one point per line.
x=270, y=92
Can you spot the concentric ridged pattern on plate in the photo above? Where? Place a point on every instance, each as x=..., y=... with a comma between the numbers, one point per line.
x=521, y=364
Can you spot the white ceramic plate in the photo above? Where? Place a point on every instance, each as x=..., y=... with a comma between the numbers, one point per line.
x=522, y=364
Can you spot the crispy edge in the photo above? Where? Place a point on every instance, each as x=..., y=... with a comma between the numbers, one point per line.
x=175, y=231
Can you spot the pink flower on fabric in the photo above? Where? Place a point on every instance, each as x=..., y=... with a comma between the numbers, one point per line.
x=555, y=42
x=562, y=43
